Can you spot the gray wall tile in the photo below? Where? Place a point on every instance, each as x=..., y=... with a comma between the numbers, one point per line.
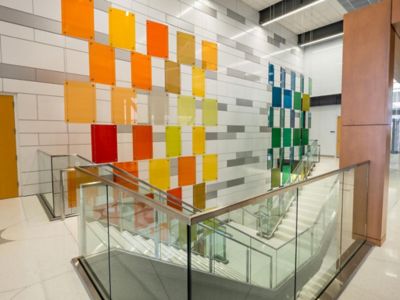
x=244, y=102
x=235, y=182
x=236, y=128
x=244, y=154
x=236, y=16
x=222, y=107
x=244, y=48
x=252, y=58
x=124, y=128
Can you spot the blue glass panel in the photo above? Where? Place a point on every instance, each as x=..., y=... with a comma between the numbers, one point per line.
x=288, y=99
x=293, y=81
x=276, y=97
x=271, y=74
x=283, y=78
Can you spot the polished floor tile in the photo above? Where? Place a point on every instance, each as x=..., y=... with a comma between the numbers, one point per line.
x=379, y=276
x=35, y=254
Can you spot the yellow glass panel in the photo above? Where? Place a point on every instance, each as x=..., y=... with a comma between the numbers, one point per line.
x=306, y=102
x=198, y=82
x=186, y=110
x=172, y=77
x=173, y=140
x=122, y=29
x=210, y=167
x=199, y=140
x=210, y=112
x=199, y=195
x=210, y=55
x=186, y=48
x=123, y=105
x=80, y=102
x=159, y=173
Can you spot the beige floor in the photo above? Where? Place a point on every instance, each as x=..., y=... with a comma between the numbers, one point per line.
x=379, y=277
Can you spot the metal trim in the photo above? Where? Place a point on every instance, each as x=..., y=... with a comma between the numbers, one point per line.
x=85, y=278
x=225, y=209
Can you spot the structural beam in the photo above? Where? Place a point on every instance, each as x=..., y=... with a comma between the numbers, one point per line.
x=320, y=33
x=282, y=8
x=368, y=59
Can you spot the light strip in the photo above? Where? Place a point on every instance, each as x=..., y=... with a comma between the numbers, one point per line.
x=292, y=12
x=321, y=40
x=279, y=52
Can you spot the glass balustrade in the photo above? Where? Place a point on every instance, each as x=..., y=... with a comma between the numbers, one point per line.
x=136, y=239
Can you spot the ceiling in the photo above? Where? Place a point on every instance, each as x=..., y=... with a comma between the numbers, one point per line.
x=325, y=13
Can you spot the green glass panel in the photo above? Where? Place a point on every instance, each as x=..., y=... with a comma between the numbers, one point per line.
x=275, y=178
x=287, y=137
x=296, y=136
x=304, y=137
x=286, y=171
x=297, y=101
x=276, y=137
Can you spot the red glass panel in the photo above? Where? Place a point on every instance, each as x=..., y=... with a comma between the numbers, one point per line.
x=104, y=143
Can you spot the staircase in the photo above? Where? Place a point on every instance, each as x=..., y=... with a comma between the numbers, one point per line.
x=125, y=240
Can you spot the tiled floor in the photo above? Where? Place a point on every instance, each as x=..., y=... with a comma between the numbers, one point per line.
x=35, y=254
x=379, y=277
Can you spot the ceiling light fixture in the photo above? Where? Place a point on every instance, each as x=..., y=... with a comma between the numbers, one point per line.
x=322, y=40
x=292, y=12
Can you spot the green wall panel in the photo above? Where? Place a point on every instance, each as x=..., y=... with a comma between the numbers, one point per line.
x=276, y=137
x=287, y=137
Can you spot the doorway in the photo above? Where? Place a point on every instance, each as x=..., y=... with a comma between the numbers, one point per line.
x=8, y=149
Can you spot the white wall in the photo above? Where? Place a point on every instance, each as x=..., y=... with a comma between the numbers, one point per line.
x=323, y=63
x=39, y=58
x=323, y=128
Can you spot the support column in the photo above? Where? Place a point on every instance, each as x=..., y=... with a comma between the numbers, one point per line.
x=366, y=104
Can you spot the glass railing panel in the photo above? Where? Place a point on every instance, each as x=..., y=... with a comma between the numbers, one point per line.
x=355, y=197
x=147, y=243
x=318, y=234
x=45, y=179
x=261, y=265
x=94, y=242
x=285, y=267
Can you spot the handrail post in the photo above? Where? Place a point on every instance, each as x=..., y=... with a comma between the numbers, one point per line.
x=62, y=196
x=210, y=254
x=248, y=265
x=157, y=237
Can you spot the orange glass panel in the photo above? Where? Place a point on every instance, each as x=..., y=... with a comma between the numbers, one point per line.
x=142, y=142
x=157, y=39
x=172, y=77
x=123, y=105
x=74, y=180
x=210, y=55
x=199, y=140
x=78, y=18
x=186, y=170
x=122, y=29
x=131, y=168
x=185, y=48
x=141, y=71
x=102, y=63
x=199, y=196
x=176, y=200
x=80, y=102
x=198, y=82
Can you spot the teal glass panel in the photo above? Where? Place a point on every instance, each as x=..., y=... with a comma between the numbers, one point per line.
x=276, y=137
x=287, y=137
x=271, y=74
x=282, y=121
x=270, y=159
x=287, y=102
x=296, y=136
x=276, y=97
x=271, y=117
x=297, y=101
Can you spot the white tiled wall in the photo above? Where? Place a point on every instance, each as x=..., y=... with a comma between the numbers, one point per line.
x=40, y=108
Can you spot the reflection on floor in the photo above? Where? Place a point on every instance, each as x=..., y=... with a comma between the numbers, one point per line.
x=378, y=278
x=35, y=254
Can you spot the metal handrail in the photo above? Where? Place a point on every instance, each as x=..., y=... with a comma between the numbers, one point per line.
x=225, y=209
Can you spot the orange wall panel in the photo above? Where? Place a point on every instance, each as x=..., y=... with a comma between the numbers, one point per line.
x=186, y=170
x=77, y=17
x=210, y=55
x=101, y=63
x=157, y=39
x=142, y=142
x=141, y=71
